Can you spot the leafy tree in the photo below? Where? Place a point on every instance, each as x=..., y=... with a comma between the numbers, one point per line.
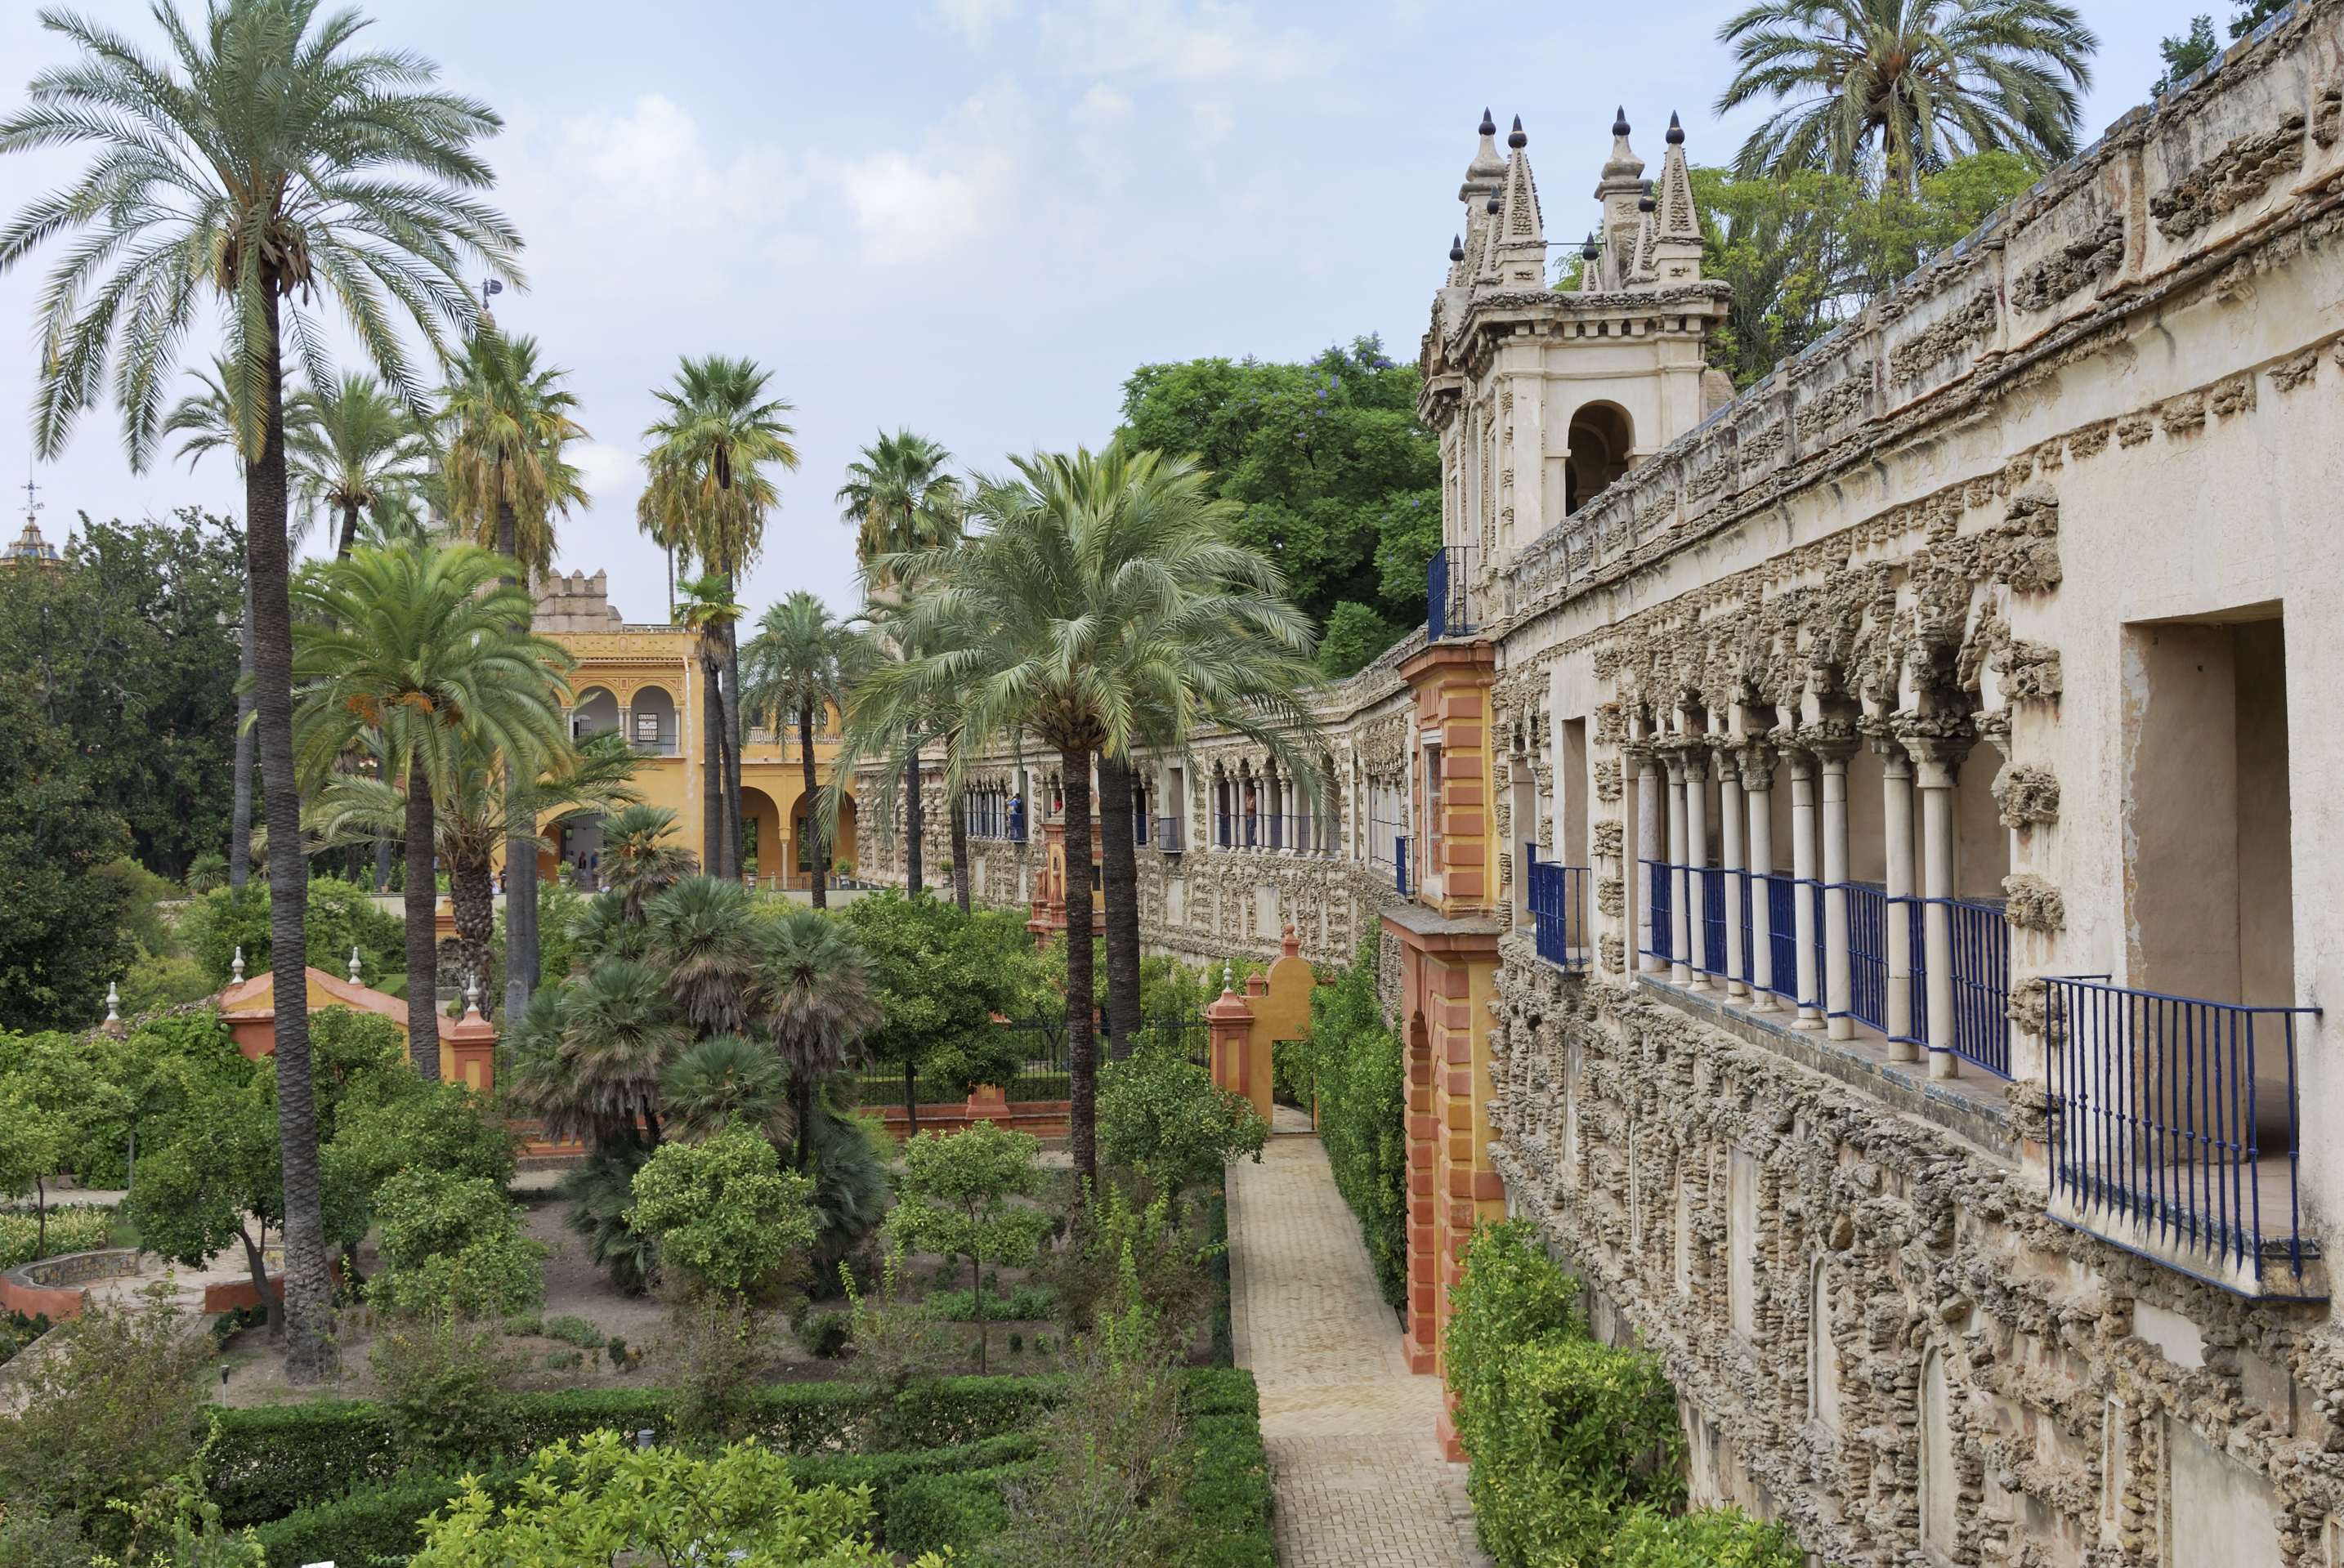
x=54, y=1099
x=941, y=978
x=1906, y=87
x=265, y=162
x=61, y=938
x=602, y=1499
x=724, y=1213
x=414, y=654
x=1101, y=609
x=1328, y=473
x=341, y=917
x=132, y=651
x=454, y=1244
x=219, y=1181
x=2186, y=54
x=709, y=483
x=959, y=1195
x=443, y=1127
x=1165, y=1116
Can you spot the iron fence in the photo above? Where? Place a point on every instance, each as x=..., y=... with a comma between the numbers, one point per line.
x=1558, y=907
x=1981, y=988
x=1659, y=914
x=1446, y=612
x=2180, y=1115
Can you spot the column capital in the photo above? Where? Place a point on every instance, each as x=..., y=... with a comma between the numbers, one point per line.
x=1936, y=742
x=1688, y=757
x=1756, y=760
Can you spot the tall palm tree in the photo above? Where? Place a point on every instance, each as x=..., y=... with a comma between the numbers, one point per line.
x=709, y=609
x=415, y=652
x=351, y=445
x=799, y=665
x=1911, y=83
x=709, y=485
x=1101, y=608
x=262, y=160
x=505, y=422
x=818, y=1002
x=900, y=500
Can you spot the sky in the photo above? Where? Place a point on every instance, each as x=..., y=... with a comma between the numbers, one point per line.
x=974, y=218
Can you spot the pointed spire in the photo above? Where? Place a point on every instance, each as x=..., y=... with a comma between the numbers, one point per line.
x=237, y=968
x=1517, y=139
x=1618, y=190
x=1489, y=126
x=1517, y=241
x=1488, y=164
x=1620, y=120
x=1456, y=248
x=1676, y=131
x=1676, y=227
x=354, y=963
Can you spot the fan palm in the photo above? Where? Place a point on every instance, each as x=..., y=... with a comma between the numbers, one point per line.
x=263, y=160
x=587, y=1056
x=901, y=501
x=709, y=485
x=721, y=1080
x=1911, y=83
x=818, y=1002
x=639, y=863
x=704, y=935
x=799, y=665
x=351, y=447
x=414, y=653
x=1100, y=608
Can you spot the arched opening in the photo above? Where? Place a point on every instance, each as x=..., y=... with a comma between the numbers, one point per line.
x=577, y=844
x=760, y=835
x=1601, y=438
x=653, y=727
x=801, y=855
x=595, y=711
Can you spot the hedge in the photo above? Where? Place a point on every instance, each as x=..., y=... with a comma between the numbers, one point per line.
x=274, y=1460
x=948, y=1495
x=1363, y=1112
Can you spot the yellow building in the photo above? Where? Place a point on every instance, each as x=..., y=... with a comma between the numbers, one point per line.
x=646, y=680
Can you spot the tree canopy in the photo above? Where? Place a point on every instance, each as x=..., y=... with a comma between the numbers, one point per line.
x=61, y=939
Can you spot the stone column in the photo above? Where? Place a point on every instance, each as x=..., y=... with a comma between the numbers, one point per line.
x=1647, y=847
x=1695, y=860
x=1758, y=791
x=1839, y=980
x=1897, y=805
x=1680, y=970
x=1730, y=820
x=1804, y=871
x=1937, y=766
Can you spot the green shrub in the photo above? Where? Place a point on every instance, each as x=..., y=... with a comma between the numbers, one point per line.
x=573, y=1330
x=373, y=1524
x=1230, y=1497
x=454, y=1243
x=1163, y=1114
x=1021, y=1303
x=1714, y=1538
x=527, y=1323
x=563, y=1360
x=933, y=1512
x=826, y=1335
x=1362, y=1082
x=73, y=1227
x=445, y=1387
x=723, y=1211
x=1566, y=1436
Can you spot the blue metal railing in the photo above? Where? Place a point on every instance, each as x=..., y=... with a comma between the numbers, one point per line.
x=1981, y=947
x=1658, y=910
x=1711, y=947
x=1400, y=863
x=1782, y=934
x=1867, y=953
x=1559, y=904
x=2178, y=1114
x=1171, y=834
x=1445, y=610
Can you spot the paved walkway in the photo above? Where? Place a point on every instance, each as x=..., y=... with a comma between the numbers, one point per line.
x=1360, y=1477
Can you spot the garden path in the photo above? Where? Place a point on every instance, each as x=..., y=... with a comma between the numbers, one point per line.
x=1359, y=1476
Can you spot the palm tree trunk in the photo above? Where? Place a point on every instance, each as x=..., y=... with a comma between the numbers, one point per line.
x=474, y=902
x=912, y=820
x=239, y=833
x=1119, y=873
x=1082, y=1064
x=817, y=852
x=520, y=905
x=732, y=738
x=804, y=1098
x=958, y=807
x=308, y=1289
x=670, y=584
x=349, y=532
x=712, y=816
x=423, y=899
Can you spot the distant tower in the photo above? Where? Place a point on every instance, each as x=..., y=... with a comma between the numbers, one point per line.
x=31, y=549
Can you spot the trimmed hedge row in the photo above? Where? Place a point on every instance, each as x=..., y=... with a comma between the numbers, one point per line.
x=274, y=1460
x=949, y=1495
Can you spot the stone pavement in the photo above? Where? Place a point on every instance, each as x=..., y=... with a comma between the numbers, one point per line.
x=1359, y=1477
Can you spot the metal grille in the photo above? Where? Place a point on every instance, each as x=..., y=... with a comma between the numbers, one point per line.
x=1446, y=612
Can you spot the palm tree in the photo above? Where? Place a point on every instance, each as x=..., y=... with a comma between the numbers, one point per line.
x=588, y=1056
x=639, y=863
x=707, y=486
x=262, y=160
x=504, y=421
x=709, y=611
x=818, y=1003
x=900, y=500
x=415, y=652
x=704, y=935
x=351, y=445
x=1911, y=83
x=723, y=1079
x=1100, y=608
x=800, y=664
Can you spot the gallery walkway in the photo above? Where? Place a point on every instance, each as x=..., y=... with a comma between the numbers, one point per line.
x=1359, y=1477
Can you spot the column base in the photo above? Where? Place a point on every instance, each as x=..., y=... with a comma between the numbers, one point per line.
x=1944, y=1063
x=1842, y=1027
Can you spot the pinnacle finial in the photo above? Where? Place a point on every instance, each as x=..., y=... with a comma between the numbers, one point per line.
x=1496, y=196
x=1676, y=131
x=1229, y=978
x=113, y=1004
x=1456, y=248
x=1644, y=202
x=354, y=963
x=1489, y=126
x=1591, y=248
x=1518, y=140
x=237, y=968
x=1620, y=120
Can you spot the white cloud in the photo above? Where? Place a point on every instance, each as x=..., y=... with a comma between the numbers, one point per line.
x=967, y=178
x=976, y=19
x=1164, y=39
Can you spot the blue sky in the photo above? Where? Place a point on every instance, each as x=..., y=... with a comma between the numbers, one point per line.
x=974, y=218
